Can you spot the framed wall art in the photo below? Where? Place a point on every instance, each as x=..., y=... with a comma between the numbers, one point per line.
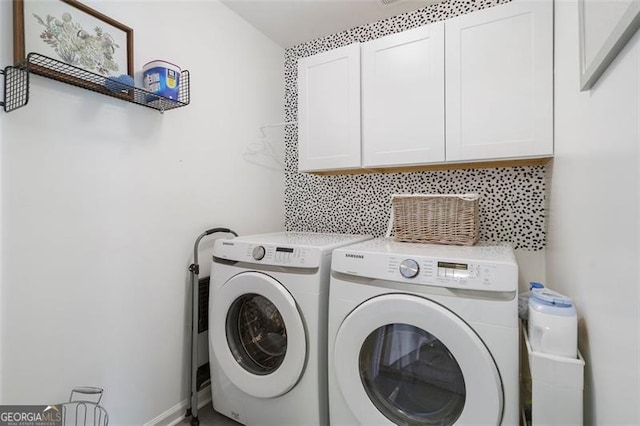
x=71, y=32
x=605, y=28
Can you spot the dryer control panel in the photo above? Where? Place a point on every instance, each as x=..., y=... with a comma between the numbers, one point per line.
x=268, y=254
x=473, y=268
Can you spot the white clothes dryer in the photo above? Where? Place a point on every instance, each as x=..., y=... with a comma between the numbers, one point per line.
x=423, y=334
x=268, y=304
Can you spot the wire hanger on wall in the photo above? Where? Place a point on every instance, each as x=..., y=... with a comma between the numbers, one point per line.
x=266, y=149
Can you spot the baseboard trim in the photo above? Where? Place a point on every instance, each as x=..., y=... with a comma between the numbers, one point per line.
x=175, y=414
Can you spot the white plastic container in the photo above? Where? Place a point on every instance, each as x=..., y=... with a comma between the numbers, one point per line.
x=162, y=78
x=553, y=323
x=557, y=387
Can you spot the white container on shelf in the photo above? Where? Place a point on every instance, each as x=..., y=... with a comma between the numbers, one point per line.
x=557, y=384
x=162, y=78
x=553, y=323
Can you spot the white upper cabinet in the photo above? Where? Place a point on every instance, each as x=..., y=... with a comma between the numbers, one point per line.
x=329, y=110
x=499, y=82
x=478, y=87
x=403, y=98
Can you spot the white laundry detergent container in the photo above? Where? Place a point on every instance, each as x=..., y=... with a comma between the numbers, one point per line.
x=553, y=323
x=162, y=78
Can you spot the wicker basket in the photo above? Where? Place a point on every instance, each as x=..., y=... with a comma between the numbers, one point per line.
x=434, y=218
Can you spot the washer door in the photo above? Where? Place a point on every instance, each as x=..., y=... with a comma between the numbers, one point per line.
x=406, y=360
x=258, y=335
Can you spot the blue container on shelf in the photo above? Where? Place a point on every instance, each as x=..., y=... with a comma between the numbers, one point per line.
x=162, y=78
x=120, y=84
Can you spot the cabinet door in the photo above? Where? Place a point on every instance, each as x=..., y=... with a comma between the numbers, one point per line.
x=403, y=98
x=329, y=110
x=500, y=82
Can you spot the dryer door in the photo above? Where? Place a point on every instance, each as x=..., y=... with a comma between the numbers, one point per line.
x=403, y=359
x=258, y=335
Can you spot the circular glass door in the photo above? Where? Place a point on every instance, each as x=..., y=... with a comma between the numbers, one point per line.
x=258, y=336
x=400, y=364
x=406, y=360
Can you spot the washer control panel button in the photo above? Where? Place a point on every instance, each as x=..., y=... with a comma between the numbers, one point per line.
x=409, y=268
x=258, y=252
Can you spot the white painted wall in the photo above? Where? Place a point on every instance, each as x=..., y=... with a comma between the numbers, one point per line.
x=102, y=201
x=5, y=57
x=593, y=252
x=531, y=267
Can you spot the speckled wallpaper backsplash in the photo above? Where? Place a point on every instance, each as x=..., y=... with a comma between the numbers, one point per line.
x=512, y=204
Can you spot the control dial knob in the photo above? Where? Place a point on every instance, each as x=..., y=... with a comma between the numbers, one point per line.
x=258, y=252
x=409, y=268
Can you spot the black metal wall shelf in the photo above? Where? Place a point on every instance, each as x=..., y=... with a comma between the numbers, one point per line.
x=16, y=84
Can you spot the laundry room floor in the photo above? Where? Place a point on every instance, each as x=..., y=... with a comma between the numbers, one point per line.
x=208, y=417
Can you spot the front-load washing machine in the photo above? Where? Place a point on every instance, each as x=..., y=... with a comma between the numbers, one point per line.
x=268, y=305
x=423, y=334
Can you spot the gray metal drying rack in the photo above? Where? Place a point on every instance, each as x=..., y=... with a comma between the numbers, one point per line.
x=194, y=269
